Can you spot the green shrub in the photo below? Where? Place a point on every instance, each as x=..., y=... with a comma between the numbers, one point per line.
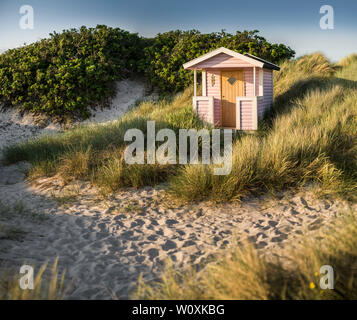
x=69, y=72
x=66, y=74
x=168, y=51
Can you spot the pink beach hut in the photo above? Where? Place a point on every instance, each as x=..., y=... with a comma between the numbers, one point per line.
x=236, y=88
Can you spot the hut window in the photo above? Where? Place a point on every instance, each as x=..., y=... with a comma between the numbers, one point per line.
x=231, y=80
x=212, y=80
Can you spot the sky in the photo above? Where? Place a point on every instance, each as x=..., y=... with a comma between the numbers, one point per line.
x=294, y=23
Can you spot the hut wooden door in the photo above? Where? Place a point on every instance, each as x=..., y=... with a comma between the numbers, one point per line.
x=232, y=86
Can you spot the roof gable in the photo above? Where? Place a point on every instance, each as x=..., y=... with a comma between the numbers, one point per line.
x=267, y=64
x=222, y=54
x=222, y=60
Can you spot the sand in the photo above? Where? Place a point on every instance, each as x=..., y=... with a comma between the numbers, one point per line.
x=15, y=127
x=128, y=92
x=105, y=244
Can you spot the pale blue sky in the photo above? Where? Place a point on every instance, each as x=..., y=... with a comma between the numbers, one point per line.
x=295, y=24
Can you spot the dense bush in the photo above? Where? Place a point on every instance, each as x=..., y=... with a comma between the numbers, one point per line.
x=168, y=51
x=74, y=70
x=69, y=71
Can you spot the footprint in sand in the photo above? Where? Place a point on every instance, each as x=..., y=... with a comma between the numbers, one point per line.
x=189, y=243
x=272, y=223
x=139, y=222
x=102, y=226
x=83, y=222
x=305, y=204
x=153, y=253
x=316, y=224
x=169, y=245
x=171, y=222
x=280, y=238
x=152, y=237
x=160, y=232
x=181, y=232
x=140, y=259
x=261, y=245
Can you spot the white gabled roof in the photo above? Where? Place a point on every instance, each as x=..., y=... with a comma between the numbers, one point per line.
x=258, y=62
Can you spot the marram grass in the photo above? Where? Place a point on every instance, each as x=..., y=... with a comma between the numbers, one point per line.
x=52, y=287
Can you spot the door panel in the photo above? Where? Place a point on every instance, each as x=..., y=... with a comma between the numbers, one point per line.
x=232, y=86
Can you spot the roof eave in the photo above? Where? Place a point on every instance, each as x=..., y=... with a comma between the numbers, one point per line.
x=190, y=64
x=267, y=64
x=270, y=66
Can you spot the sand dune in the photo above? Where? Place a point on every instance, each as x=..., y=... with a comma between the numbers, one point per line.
x=15, y=127
x=104, y=244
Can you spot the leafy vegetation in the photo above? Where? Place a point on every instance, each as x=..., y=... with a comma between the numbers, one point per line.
x=69, y=72
x=66, y=74
x=168, y=51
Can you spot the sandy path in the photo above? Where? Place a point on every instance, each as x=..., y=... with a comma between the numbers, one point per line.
x=105, y=244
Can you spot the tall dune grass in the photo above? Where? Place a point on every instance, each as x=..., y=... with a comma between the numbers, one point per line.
x=347, y=67
x=309, y=136
x=45, y=287
x=95, y=152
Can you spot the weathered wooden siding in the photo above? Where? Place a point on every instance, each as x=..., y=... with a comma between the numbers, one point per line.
x=246, y=115
x=214, y=91
x=246, y=106
x=249, y=81
x=223, y=60
x=203, y=110
x=268, y=85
